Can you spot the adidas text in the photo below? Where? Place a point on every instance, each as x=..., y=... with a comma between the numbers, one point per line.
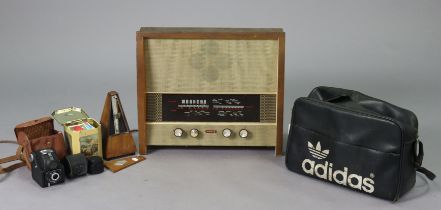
x=342, y=177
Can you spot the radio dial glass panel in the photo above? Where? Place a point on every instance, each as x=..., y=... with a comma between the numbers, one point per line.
x=211, y=107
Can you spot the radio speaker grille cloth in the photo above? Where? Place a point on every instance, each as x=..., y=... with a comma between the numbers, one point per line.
x=192, y=65
x=268, y=108
x=154, y=107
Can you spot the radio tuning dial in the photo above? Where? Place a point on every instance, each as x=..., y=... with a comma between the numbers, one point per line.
x=178, y=132
x=243, y=133
x=226, y=133
x=194, y=133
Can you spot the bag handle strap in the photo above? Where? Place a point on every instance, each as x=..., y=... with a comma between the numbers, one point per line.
x=419, y=162
x=17, y=156
x=338, y=98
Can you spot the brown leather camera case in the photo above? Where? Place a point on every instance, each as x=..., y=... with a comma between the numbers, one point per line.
x=40, y=134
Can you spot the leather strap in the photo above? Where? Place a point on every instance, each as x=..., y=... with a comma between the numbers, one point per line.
x=16, y=157
x=419, y=162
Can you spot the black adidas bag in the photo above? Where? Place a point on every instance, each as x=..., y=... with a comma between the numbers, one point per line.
x=351, y=139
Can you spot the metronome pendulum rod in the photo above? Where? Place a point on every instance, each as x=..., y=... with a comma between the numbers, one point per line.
x=115, y=113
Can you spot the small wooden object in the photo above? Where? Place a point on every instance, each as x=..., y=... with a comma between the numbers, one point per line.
x=118, y=141
x=120, y=164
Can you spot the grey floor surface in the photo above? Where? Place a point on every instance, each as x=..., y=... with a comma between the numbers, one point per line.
x=201, y=179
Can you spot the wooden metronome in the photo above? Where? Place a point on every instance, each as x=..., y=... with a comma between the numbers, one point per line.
x=117, y=138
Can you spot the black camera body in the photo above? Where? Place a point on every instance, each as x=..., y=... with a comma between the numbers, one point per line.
x=47, y=170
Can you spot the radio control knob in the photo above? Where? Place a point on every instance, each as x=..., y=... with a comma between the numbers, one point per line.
x=178, y=132
x=243, y=133
x=194, y=133
x=226, y=133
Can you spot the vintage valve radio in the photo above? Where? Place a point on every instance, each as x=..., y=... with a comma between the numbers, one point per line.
x=210, y=87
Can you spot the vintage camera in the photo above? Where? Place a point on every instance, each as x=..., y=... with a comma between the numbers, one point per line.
x=46, y=168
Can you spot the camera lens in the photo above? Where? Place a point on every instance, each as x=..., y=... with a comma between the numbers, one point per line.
x=55, y=176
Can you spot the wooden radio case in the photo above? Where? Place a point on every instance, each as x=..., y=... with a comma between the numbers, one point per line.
x=210, y=87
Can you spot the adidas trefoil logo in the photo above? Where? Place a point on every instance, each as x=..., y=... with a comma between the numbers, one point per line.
x=317, y=151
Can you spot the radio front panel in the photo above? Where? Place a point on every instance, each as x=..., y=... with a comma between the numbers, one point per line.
x=211, y=119
x=210, y=87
